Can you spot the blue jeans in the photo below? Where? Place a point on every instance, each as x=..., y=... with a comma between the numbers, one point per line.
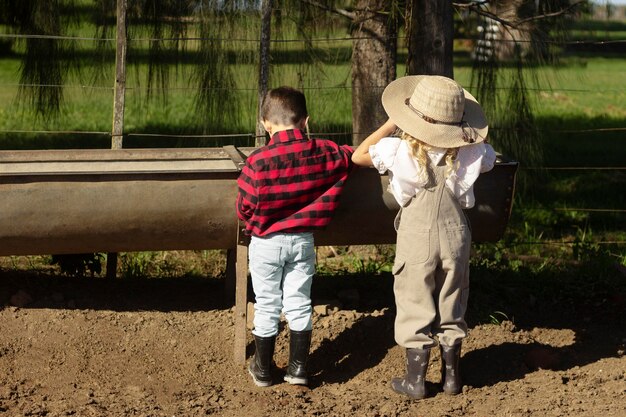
x=282, y=266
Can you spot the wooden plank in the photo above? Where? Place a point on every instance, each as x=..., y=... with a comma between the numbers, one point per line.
x=241, y=298
x=235, y=156
x=120, y=155
x=119, y=94
x=120, y=77
x=231, y=275
x=111, y=265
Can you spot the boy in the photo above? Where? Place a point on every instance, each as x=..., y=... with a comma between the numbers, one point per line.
x=287, y=189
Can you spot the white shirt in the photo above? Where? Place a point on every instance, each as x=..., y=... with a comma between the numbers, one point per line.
x=393, y=154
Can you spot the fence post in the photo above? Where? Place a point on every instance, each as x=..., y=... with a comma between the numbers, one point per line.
x=120, y=77
x=241, y=296
x=264, y=65
x=118, y=102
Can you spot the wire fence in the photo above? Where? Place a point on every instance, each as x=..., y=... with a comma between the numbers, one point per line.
x=308, y=40
x=325, y=87
x=240, y=89
x=324, y=40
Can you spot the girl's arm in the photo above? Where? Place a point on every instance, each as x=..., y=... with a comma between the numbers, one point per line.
x=361, y=155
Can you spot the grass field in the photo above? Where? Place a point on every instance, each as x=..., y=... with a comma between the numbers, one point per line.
x=574, y=104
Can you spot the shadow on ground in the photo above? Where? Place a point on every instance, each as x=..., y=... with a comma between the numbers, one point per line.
x=599, y=333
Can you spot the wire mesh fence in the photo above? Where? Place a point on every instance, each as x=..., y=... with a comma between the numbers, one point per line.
x=148, y=132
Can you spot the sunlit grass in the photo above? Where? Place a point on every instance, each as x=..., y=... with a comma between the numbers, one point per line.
x=571, y=102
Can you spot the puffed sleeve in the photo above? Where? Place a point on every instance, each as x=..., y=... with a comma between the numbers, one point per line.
x=384, y=153
x=472, y=160
x=489, y=158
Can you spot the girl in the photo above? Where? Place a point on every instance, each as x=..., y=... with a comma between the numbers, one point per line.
x=432, y=166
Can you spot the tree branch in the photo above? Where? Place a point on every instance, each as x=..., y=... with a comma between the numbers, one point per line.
x=342, y=12
x=555, y=14
x=471, y=3
x=475, y=6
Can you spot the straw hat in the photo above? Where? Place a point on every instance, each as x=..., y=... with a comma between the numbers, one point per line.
x=435, y=110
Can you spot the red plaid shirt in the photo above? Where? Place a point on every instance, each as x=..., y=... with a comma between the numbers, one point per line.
x=293, y=184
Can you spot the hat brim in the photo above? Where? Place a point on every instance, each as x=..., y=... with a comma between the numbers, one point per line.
x=434, y=134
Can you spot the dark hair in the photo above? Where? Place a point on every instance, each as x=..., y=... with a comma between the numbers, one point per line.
x=284, y=105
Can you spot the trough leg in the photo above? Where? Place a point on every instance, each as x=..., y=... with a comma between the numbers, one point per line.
x=241, y=299
x=231, y=276
x=111, y=265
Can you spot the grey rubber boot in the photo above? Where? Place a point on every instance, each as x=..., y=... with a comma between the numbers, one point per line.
x=413, y=384
x=260, y=366
x=450, y=377
x=299, y=345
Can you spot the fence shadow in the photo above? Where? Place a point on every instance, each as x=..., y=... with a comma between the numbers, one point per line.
x=511, y=361
x=46, y=290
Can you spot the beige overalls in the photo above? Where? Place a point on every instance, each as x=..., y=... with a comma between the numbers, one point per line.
x=431, y=268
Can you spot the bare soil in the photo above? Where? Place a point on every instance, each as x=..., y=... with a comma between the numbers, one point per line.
x=163, y=347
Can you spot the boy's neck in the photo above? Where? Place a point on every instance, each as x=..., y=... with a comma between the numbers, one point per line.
x=281, y=128
x=273, y=128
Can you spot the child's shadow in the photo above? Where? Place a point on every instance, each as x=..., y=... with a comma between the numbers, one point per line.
x=360, y=347
x=368, y=341
x=511, y=361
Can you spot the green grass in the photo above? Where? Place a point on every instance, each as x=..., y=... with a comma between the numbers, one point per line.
x=583, y=92
x=592, y=87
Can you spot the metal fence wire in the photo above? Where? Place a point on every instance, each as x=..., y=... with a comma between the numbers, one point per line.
x=252, y=136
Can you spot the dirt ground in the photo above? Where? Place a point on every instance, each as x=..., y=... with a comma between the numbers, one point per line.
x=163, y=347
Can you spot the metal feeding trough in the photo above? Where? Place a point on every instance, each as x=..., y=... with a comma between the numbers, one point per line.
x=82, y=201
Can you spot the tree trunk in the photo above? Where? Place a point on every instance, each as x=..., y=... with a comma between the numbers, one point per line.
x=430, y=32
x=373, y=65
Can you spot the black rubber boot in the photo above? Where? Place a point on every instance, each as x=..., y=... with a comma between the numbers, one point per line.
x=413, y=384
x=260, y=366
x=450, y=377
x=299, y=345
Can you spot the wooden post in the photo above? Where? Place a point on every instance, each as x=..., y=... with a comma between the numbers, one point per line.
x=120, y=77
x=264, y=65
x=230, y=286
x=111, y=265
x=241, y=297
x=117, y=133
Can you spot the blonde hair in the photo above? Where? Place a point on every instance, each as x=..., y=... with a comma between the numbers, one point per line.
x=419, y=151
